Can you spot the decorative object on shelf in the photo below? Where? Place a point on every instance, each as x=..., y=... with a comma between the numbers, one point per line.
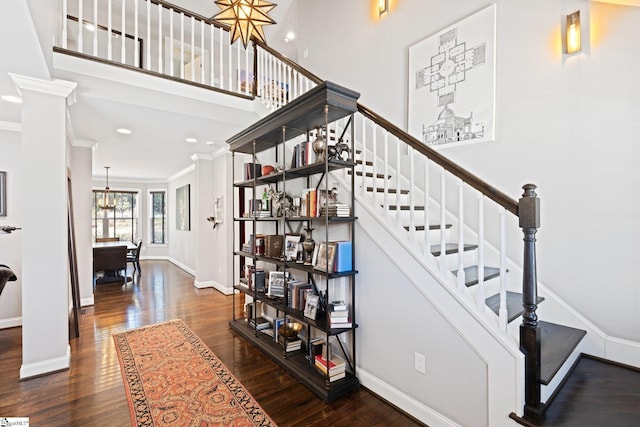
x=267, y=169
x=320, y=145
x=107, y=199
x=265, y=200
x=280, y=202
x=308, y=245
x=245, y=17
x=297, y=204
x=218, y=212
x=252, y=170
x=311, y=306
x=340, y=151
x=291, y=247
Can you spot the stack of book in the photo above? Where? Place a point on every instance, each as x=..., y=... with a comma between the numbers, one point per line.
x=303, y=155
x=339, y=315
x=248, y=245
x=335, y=367
x=261, y=214
x=297, y=293
x=260, y=323
x=292, y=344
x=336, y=209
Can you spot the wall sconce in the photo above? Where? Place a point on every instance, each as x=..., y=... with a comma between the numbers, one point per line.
x=573, y=34
x=383, y=7
x=218, y=212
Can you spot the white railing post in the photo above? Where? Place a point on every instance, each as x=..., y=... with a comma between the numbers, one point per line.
x=171, y=46
x=461, y=272
x=412, y=190
x=182, y=45
x=80, y=25
x=212, y=56
x=443, y=220
x=503, y=313
x=148, y=49
x=364, y=155
x=221, y=33
x=427, y=226
x=65, y=23
x=136, y=45
x=193, y=49
x=160, y=62
x=374, y=161
x=95, y=27
x=480, y=294
x=386, y=172
x=109, y=32
x=123, y=52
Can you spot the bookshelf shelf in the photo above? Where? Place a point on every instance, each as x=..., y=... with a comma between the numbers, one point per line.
x=284, y=139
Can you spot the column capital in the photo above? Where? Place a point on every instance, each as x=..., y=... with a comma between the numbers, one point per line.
x=201, y=156
x=57, y=87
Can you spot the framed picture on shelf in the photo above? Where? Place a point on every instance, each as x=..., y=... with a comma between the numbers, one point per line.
x=276, y=284
x=291, y=246
x=325, y=256
x=311, y=306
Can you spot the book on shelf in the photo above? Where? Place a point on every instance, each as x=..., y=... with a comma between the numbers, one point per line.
x=337, y=305
x=340, y=323
x=296, y=293
x=260, y=323
x=344, y=257
x=335, y=365
x=273, y=245
x=267, y=331
x=292, y=344
x=339, y=315
x=337, y=209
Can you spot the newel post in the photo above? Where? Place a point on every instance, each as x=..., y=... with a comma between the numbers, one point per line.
x=529, y=215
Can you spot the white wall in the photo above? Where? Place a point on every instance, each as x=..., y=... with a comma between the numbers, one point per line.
x=11, y=244
x=569, y=125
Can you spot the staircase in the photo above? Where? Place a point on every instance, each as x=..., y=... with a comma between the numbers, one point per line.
x=448, y=218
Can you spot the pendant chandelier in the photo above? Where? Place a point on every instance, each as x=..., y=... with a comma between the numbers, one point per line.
x=245, y=17
x=107, y=199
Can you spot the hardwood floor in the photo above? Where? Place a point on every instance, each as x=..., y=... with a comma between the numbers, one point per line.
x=91, y=392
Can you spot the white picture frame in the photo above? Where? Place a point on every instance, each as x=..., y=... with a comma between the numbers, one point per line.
x=311, y=307
x=452, y=83
x=291, y=246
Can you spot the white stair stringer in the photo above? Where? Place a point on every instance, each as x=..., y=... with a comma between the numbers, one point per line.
x=504, y=361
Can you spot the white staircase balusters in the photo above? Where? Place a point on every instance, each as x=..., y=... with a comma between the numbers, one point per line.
x=397, y=179
x=386, y=171
x=461, y=272
x=80, y=25
x=364, y=156
x=212, y=78
x=374, y=159
x=171, y=47
x=109, y=32
x=95, y=27
x=503, y=314
x=221, y=37
x=427, y=237
x=65, y=23
x=412, y=191
x=192, y=48
x=123, y=51
x=148, y=43
x=160, y=41
x=136, y=49
x=480, y=293
x=443, y=220
x=181, y=45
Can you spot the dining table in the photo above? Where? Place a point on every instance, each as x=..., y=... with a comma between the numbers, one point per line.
x=110, y=259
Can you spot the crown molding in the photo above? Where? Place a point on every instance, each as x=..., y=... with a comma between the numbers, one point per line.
x=85, y=143
x=201, y=156
x=184, y=171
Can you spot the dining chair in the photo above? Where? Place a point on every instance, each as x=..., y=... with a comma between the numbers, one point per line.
x=133, y=257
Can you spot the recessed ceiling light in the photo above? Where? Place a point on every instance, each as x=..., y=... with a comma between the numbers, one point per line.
x=191, y=140
x=12, y=98
x=123, y=131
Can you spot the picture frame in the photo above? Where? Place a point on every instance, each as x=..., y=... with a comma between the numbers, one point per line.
x=325, y=256
x=452, y=83
x=276, y=283
x=183, y=208
x=311, y=306
x=3, y=193
x=291, y=246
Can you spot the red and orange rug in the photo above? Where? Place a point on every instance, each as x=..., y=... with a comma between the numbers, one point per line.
x=173, y=379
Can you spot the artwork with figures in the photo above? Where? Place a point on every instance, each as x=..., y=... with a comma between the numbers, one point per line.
x=452, y=83
x=183, y=220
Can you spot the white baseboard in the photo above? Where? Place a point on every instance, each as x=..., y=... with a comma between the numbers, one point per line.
x=84, y=302
x=622, y=351
x=10, y=322
x=181, y=265
x=227, y=290
x=403, y=401
x=46, y=366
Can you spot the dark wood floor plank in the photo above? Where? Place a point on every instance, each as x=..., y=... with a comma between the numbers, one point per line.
x=91, y=392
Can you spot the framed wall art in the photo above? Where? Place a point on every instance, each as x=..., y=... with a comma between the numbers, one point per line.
x=3, y=193
x=183, y=208
x=452, y=83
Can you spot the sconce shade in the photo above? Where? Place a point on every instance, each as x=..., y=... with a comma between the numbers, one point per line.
x=383, y=7
x=573, y=33
x=245, y=17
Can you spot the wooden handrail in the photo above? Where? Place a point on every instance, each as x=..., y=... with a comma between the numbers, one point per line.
x=491, y=192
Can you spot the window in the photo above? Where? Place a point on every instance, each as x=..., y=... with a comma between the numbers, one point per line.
x=121, y=222
x=158, y=216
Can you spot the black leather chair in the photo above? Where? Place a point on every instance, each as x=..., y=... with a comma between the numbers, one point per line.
x=133, y=257
x=110, y=260
x=6, y=275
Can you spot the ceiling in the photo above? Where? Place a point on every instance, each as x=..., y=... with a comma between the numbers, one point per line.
x=161, y=114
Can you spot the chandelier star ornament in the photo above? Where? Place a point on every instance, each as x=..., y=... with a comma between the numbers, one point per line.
x=245, y=17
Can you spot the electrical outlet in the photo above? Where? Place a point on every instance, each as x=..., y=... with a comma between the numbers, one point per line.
x=420, y=363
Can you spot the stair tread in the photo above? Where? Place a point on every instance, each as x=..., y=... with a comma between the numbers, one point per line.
x=369, y=174
x=514, y=304
x=557, y=342
x=450, y=248
x=471, y=274
x=431, y=227
x=405, y=208
x=389, y=190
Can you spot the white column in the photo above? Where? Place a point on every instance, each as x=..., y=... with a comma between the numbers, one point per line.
x=45, y=277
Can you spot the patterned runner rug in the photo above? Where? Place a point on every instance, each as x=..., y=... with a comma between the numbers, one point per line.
x=173, y=379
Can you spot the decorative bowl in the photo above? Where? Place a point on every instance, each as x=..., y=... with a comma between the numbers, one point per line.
x=290, y=330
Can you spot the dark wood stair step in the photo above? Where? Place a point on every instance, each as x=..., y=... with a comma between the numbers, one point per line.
x=404, y=208
x=367, y=163
x=557, y=342
x=389, y=190
x=450, y=248
x=514, y=304
x=471, y=274
x=369, y=174
x=431, y=227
